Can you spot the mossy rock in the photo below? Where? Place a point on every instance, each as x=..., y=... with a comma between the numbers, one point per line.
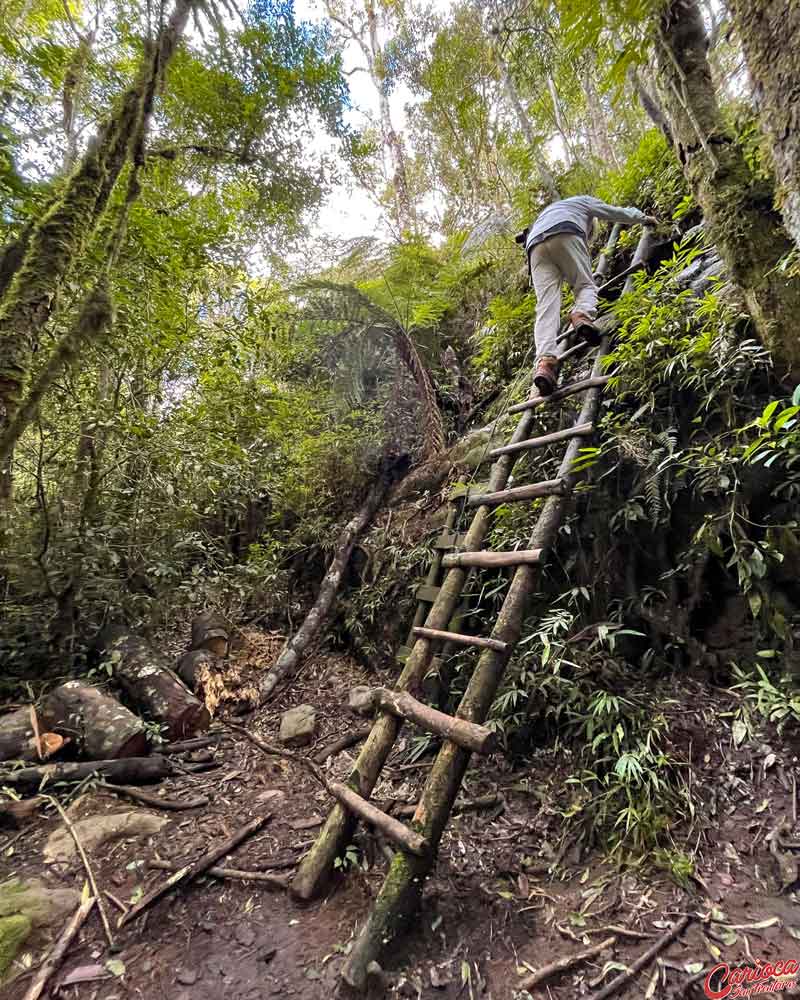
x=14, y=932
x=31, y=913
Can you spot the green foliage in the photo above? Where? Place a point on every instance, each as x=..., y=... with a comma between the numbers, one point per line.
x=651, y=178
x=776, y=698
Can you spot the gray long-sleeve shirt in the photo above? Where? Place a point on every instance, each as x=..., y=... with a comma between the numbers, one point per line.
x=576, y=215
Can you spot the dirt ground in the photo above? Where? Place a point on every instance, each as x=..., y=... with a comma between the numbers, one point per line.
x=507, y=897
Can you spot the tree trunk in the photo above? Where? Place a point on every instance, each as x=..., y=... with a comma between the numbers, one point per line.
x=60, y=237
x=649, y=104
x=128, y=771
x=739, y=214
x=546, y=178
x=146, y=679
x=769, y=33
x=101, y=728
x=404, y=209
x=391, y=471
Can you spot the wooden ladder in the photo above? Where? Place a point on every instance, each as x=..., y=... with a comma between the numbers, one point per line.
x=439, y=603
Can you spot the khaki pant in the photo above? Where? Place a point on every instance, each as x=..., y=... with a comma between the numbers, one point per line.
x=560, y=258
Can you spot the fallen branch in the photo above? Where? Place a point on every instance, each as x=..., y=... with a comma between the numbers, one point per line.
x=486, y=802
x=198, y=743
x=349, y=740
x=136, y=770
x=176, y=805
x=278, y=881
x=643, y=960
x=390, y=471
x=563, y=964
x=56, y=956
x=190, y=871
x=89, y=872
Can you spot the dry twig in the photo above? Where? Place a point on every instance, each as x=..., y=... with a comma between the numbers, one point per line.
x=56, y=956
x=190, y=871
x=89, y=872
x=565, y=963
x=278, y=881
x=643, y=960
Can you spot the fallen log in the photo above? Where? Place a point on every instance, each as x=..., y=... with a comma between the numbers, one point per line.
x=277, y=881
x=17, y=739
x=210, y=633
x=146, y=679
x=190, y=871
x=194, y=666
x=390, y=472
x=129, y=770
x=101, y=728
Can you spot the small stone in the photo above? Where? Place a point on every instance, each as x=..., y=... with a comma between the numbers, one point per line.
x=361, y=700
x=187, y=977
x=270, y=795
x=298, y=726
x=245, y=935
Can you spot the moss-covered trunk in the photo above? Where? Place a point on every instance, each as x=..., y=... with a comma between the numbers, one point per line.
x=739, y=212
x=58, y=239
x=769, y=31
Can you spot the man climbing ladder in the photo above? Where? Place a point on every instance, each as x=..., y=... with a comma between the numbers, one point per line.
x=558, y=250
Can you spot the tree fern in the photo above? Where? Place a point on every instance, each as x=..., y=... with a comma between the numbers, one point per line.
x=346, y=305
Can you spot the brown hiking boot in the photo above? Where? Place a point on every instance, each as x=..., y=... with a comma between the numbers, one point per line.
x=584, y=327
x=546, y=377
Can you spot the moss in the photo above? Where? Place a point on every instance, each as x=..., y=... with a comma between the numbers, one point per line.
x=14, y=931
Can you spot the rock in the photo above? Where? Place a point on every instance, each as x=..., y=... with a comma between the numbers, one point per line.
x=245, y=935
x=298, y=726
x=187, y=977
x=273, y=795
x=14, y=931
x=32, y=914
x=95, y=831
x=361, y=700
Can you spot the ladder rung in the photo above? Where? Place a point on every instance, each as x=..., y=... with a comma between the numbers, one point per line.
x=575, y=349
x=408, y=839
x=424, y=592
x=462, y=489
x=490, y=559
x=468, y=735
x=579, y=430
x=449, y=540
x=566, y=390
x=548, y=488
x=462, y=640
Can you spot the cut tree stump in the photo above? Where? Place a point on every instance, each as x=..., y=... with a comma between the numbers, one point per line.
x=210, y=632
x=145, y=677
x=101, y=728
x=128, y=771
x=193, y=666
